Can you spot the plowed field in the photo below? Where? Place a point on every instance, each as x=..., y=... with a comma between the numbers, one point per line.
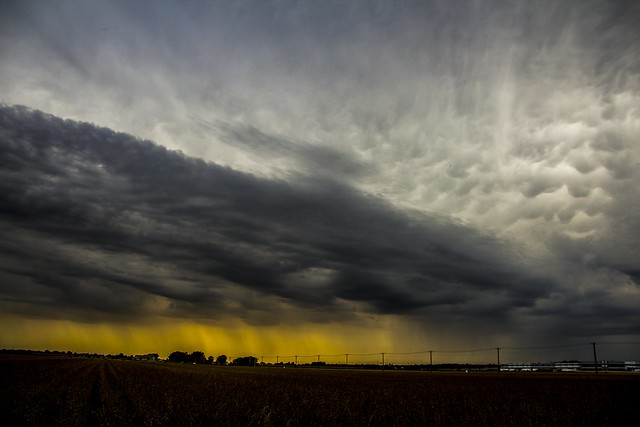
x=37, y=390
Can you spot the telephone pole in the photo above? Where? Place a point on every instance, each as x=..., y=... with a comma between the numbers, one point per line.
x=595, y=357
x=498, y=353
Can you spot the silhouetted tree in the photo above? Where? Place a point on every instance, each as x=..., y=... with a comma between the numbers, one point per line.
x=221, y=360
x=245, y=361
x=183, y=357
x=179, y=357
x=198, y=357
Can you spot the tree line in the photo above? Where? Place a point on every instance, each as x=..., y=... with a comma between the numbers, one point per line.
x=199, y=358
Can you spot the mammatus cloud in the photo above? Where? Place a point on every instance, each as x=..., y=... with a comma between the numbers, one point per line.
x=99, y=224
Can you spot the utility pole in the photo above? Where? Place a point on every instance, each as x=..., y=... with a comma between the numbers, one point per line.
x=431, y=360
x=277, y=359
x=595, y=358
x=296, y=356
x=498, y=352
x=262, y=360
x=346, y=359
x=383, y=361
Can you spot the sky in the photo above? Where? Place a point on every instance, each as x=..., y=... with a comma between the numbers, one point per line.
x=301, y=178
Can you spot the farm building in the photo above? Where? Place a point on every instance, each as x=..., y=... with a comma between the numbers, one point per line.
x=151, y=357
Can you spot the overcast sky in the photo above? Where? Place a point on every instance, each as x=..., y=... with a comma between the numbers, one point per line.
x=335, y=176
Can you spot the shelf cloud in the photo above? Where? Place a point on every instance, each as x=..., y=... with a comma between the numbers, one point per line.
x=84, y=202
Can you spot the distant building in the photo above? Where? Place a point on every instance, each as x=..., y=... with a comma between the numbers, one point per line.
x=572, y=366
x=151, y=357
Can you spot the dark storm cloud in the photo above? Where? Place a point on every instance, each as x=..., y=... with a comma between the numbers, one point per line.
x=466, y=120
x=98, y=221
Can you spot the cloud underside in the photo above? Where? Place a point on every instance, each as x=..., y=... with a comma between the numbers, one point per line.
x=98, y=223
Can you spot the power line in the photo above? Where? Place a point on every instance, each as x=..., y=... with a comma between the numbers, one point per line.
x=477, y=350
x=547, y=347
x=410, y=353
x=355, y=356
x=618, y=343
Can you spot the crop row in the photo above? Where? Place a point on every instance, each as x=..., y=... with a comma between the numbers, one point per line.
x=56, y=391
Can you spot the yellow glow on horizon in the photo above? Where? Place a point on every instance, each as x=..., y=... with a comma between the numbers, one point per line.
x=235, y=339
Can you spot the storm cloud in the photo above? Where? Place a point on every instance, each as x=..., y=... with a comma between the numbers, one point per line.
x=467, y=163
x=102, y=221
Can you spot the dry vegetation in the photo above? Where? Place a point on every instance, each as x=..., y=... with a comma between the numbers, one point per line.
x=38, y=390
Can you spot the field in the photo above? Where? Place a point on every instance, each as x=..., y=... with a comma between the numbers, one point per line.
x=39, y=390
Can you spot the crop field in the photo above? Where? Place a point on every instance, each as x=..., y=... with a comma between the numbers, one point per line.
x=39, y=390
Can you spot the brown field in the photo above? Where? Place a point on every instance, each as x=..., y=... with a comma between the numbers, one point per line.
x=40, y=390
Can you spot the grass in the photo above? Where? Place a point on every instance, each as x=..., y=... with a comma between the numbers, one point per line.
x=39, y=390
